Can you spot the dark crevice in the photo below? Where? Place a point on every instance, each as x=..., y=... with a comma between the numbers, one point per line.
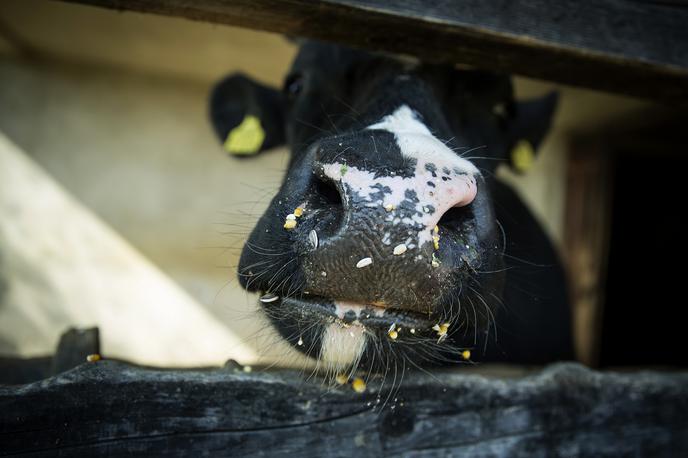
x=328, y=193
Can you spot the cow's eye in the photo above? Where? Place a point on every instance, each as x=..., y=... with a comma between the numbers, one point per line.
x=293, y=85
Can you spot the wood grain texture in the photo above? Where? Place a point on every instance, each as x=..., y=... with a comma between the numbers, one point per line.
x=635, y=48
x=587, y=227
x=111, y=408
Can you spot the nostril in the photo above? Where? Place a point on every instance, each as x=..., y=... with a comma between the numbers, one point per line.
x=455, y=198
x=327, y=192
x=453, y=217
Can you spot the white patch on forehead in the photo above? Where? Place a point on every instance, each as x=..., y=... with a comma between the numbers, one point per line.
x=416, y=141
x=342, y=346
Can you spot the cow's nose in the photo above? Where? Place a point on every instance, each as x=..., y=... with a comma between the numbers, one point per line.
x=385, y=249
x=380, y=244
x=395, y=201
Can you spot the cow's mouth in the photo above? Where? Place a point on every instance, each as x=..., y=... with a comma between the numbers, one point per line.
x=344, y=336
x=373, y=317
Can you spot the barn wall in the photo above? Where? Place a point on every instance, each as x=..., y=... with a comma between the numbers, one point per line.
x=113, y=106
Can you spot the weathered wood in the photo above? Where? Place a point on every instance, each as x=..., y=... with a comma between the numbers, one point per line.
x=74, y=347
x=114, y=409
x=614, y=45
x=587, y=223
x=15, y=371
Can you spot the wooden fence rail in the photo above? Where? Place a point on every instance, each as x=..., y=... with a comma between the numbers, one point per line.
x=633, y=47
x=113, y=408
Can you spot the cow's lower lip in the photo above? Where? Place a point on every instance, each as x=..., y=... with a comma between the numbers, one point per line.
x=348, y=312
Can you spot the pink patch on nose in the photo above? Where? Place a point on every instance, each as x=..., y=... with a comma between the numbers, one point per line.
x=462, y=192
x=459, y=191
x=438, y=188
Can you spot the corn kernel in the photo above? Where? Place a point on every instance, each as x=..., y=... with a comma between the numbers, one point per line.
x=358, y=385
x=93, y=358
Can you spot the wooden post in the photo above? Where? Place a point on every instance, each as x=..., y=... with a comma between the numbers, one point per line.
x=586, y=242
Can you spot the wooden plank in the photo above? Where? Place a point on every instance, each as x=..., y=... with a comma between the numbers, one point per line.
x=587, y=223
x=633, y=48
x=74, y=347
x=15, y=371
x=111, y=408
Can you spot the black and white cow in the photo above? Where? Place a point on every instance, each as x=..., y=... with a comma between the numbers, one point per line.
x=390, y=241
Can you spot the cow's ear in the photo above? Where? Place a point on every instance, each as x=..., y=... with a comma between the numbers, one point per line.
x=248, y=117
x=530, y=121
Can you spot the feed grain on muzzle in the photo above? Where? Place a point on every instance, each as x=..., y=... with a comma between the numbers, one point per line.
x=390, y=242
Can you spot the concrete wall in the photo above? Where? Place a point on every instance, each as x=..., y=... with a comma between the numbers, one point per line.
x=114, y=107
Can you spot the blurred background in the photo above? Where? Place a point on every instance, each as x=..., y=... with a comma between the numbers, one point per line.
x=119, y=208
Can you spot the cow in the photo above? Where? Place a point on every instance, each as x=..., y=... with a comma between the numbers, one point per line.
x=391, y=243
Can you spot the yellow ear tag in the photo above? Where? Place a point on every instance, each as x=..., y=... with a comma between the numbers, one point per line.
x=246, y=138
x=523, y=156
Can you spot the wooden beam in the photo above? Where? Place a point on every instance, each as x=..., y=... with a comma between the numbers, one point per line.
x=634, y=48
x=110, y=408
